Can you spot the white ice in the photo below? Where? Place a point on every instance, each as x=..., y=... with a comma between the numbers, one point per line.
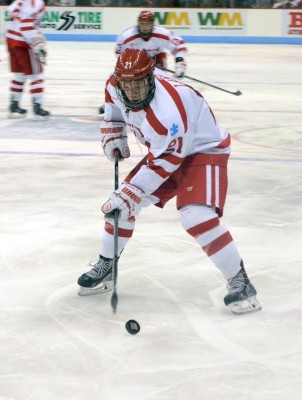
x=56, y=345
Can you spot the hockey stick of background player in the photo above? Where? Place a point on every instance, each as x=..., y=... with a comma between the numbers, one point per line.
x=114, y=298
x=237, y=93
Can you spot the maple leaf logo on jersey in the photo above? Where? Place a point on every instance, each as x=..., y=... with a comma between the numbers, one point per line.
x=174, y=130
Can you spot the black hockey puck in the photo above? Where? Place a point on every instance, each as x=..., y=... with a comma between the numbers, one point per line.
x=132, y=327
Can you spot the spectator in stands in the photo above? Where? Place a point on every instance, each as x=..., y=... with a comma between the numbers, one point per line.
x=287, y=4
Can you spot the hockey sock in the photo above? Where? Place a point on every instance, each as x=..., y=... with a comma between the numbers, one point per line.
x=203, y=224
x=17, y=86
x=37, y=88
x=125, y=231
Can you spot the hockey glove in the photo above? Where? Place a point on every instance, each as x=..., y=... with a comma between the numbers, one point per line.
x=114, y=136
x=127, y=199
x=38, y=46
x=180, y=67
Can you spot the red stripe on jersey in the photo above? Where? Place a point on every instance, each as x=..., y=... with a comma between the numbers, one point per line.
x=202, y=228
x=160, y=36
x=27, y=20
x=108, y=98
x=177, y=100
x=131, y=38
x=42, y=9
x=27, y=28
x=14, y=32
x=171, y=158
x=155, y=123
x=225, y=143
x=126, y=233
x=218, y=244
x=159, y=170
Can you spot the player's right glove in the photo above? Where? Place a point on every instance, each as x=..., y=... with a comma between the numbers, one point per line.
x=114, y=136
x=128, y=199
x=38, y=46
x=180, y=67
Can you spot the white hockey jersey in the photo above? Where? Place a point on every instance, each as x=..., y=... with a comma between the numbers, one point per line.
x=176, y=124
x=24, y=19
x=161, y=39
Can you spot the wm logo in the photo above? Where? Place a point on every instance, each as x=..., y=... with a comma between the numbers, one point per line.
x=172, y=18
x=220, y=19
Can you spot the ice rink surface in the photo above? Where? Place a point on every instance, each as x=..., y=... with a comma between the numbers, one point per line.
x=56, y=345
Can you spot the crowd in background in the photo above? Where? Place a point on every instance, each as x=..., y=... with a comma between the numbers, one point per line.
x=176, y=3
x=184, y=3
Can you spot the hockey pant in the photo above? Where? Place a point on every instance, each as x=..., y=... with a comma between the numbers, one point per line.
x=26, y=66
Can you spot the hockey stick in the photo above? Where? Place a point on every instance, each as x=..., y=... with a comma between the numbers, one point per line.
x=114, y=297
x=237, y=93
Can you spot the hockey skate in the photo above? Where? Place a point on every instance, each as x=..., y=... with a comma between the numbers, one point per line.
x=98, y=279
x=241, y=297
x=15, y=111
x=39, y=113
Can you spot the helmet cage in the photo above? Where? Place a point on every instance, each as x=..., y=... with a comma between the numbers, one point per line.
x=142, y=89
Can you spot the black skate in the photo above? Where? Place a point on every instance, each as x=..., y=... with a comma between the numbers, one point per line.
x=241, y=298
x=15, y=111
x=98, y=279
x=39, y=113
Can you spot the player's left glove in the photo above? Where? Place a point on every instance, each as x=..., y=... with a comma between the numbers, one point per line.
x=128, y=199
x=38, y=46
x=180, y=67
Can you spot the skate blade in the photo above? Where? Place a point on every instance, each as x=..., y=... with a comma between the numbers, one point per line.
x=16, y=116
x=37, y=118
x=246, y=306
x=104, y=287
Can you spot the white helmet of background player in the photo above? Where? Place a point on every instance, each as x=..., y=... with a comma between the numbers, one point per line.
x=145, y=24
x=134, y=78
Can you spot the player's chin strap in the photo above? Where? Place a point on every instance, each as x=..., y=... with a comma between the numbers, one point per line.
x=237, y=93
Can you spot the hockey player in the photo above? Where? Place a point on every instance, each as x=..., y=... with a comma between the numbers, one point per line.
x=188, y=152
x=156, y=40
x=27, y=52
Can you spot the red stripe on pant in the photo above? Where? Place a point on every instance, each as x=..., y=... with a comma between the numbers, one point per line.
x=126, y=233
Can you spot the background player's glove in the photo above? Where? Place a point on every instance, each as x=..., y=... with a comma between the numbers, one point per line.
x=114, y=136
x=180, y=67
x=127, y=199
x=38, y=46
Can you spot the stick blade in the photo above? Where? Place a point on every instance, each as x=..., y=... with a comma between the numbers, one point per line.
x=114, y=301
x=238, y=93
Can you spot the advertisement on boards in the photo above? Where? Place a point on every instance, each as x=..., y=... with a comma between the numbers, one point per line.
x=205, y=22
x=292, y=23
x=70, y=21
